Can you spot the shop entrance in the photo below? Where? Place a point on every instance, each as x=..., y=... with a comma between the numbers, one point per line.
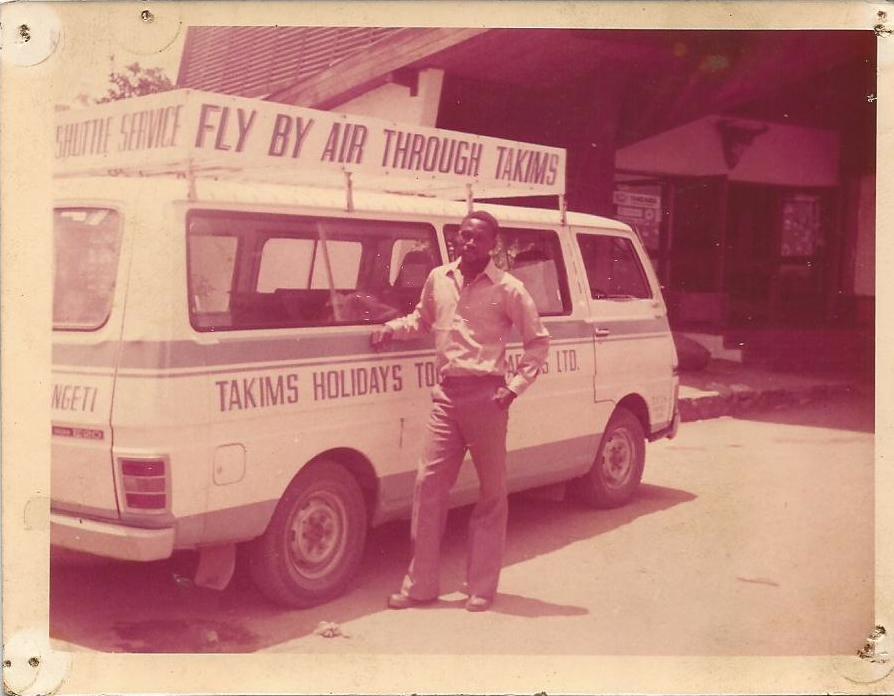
x=734, y=255
x=775, y=256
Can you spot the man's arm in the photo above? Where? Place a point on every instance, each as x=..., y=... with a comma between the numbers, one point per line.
x=535, y=339
x=416, y=323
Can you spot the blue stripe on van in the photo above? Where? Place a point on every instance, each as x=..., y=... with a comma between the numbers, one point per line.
x=233, y=351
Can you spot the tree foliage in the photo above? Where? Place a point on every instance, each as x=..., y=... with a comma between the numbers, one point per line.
x=135, y=81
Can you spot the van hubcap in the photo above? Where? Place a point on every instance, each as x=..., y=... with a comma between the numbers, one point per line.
x=617, y=458
x=316, y=534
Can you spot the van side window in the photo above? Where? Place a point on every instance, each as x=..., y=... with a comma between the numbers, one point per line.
x=613, y=268
x=214, y=260
x=287, y=263
x=254, y=271
x=535, y=258
x=87, y=244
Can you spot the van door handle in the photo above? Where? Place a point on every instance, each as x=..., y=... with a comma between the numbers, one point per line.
x=601, y=333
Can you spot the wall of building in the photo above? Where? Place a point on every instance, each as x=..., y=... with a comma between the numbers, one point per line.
x=395, y=102
x=864, y=257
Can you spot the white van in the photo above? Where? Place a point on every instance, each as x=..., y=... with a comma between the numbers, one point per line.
x=213, y=381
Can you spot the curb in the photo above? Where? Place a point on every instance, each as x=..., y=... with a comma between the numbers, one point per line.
x=741, y=401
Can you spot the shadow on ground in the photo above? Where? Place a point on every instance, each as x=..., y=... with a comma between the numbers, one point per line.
x=153, y=607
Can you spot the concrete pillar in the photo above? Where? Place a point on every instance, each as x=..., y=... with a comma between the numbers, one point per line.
x=582, y=117
x=592, y=144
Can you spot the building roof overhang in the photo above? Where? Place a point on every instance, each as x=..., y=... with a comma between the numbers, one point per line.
x=673, y=76
x=365, y=70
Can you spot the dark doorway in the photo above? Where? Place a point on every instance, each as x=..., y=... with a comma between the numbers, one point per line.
x=775, y=270
x=695, y=274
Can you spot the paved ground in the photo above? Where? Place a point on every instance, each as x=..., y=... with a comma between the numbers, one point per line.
x=750, y=537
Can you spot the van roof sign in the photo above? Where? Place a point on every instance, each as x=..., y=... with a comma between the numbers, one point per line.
x=206, y=134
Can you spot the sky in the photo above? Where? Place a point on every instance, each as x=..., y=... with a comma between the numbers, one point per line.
x=93, y=44
x=95, y=83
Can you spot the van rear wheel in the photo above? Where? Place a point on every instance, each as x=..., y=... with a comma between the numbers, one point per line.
x=618, y=468
x=314, y=542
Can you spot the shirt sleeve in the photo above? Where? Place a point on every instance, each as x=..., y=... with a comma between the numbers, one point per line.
x=535, y=339
x=421, y=319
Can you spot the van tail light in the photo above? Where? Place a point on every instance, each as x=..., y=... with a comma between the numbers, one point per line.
x=145, y=483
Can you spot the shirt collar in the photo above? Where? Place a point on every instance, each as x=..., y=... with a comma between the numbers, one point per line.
x=494, y=272
x=491, y=270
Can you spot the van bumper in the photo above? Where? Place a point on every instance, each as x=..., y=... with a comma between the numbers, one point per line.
x=109, y=539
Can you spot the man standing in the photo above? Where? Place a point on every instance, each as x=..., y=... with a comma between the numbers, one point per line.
x=470, y=305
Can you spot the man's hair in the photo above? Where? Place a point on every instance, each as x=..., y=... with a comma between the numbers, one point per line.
x=487, y=218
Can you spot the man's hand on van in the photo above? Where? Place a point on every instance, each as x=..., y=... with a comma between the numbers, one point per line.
x=381, y=336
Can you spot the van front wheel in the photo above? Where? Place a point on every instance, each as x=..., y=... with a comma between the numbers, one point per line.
x=618, y=467
x=314, y=542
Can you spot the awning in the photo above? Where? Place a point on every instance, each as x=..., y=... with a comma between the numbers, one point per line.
x=743, y=150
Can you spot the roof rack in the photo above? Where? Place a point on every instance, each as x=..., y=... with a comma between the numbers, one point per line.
x=191, y=134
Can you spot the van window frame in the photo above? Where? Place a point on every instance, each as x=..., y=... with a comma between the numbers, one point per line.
x=561, y=266
x=243, y=264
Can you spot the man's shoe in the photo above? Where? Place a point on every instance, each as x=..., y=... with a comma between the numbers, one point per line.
x=399, y=600
x=478, y=603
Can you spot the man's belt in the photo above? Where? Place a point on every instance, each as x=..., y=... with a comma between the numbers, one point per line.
x=471, y=380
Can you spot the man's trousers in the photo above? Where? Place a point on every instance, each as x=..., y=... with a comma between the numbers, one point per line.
x=464, y=417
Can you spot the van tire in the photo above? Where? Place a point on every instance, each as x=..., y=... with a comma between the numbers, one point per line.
x=618, y=467
x=314, y=542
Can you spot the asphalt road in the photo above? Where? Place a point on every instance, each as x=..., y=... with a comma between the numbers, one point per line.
x=749, y=537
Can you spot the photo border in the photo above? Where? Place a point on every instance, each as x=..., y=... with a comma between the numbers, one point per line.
x=26, y=115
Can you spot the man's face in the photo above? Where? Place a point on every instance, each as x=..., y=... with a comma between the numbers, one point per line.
x=476, y=241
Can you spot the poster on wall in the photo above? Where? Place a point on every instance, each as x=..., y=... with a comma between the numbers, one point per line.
x=640, y=208
x=800, y=225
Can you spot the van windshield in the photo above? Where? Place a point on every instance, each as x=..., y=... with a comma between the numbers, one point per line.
x=87, y=243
